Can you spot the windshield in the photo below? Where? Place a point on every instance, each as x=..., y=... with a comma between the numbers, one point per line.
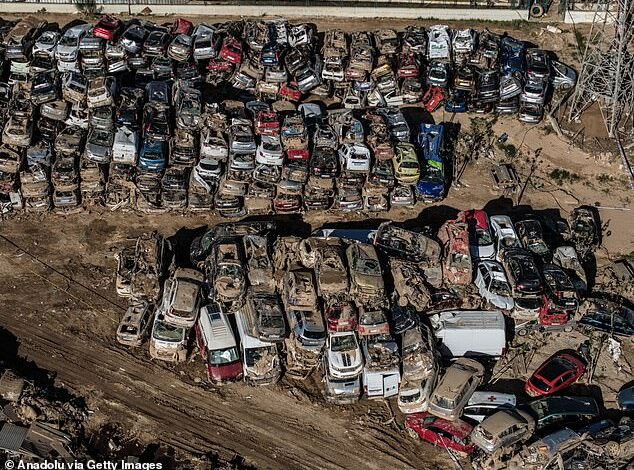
x=370, y=267
x=343, y=343
x=166, y=332
x=68, y=41
x=101, y=138
x=254, y=355
x=223, y=356
x=500, y=287
x=484, y=237
x=408, y=397
x=314, y=334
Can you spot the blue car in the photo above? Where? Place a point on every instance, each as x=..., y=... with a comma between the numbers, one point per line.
x=512, y=56
x=431, y=186
x=457, y=102
x=153, y=155
x=270, y=55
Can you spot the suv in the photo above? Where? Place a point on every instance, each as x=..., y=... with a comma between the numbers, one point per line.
x=181, y=297
x=455, y=388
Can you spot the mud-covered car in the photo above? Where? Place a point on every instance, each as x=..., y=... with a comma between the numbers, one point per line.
x=259, y=264
x=18, y=131
x=455, y=388
x=330, y=271
x=406, y=244
x=372, y=321
x=419, y=354
x=343, y=355
x=224, y=268
x=457, y=265
x=135, y=323
x=522, y=272
x=504, y=428
x=299, y=291
x=266, y=314
x=453, y=435
x=69, y=141
x=366, y=279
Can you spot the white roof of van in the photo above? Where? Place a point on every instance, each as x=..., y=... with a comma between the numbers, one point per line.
x=468, y=319
x=215, y=328
x=248, y=341
x=492, y=398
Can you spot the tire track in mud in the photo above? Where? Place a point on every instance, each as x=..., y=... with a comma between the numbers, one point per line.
x=191, y=418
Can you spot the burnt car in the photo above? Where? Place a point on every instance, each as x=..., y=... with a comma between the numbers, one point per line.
x=224, y=268
x=531, y=234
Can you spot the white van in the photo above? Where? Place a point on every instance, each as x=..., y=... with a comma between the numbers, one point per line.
x=260, y=360
x=381, y=383
x=470, y=333
x=217, y=344
x=125, y=146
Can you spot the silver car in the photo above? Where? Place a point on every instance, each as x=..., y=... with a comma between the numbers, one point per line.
x=493, y=285
x=534, y=91
x=99, y=146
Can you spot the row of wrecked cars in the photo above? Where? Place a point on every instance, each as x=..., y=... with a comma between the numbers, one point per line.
x=390, y=312
x=125, y=113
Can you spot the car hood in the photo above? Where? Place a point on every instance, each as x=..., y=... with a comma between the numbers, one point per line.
x=430, y=189
x=345, y=359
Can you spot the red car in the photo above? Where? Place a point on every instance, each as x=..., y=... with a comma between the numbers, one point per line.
x=407, y=67
x=552, y=315
x=285, y=203
x=433, y=98
x=182, y=26
x=341, y=317
x=298, y=154
x=108, y=28
x=267, y=123
x=231, y=50
x=290, y=92
x=559, y=371
x=440, y=432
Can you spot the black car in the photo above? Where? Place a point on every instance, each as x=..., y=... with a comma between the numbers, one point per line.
x=403, y=318
x=487, y=85
x=608, y=317
x=555, y=411
x=438, y=74
x=510, y=106
x=531, y=234
x=522, y=272
x=559, y=288
x=158, y=92
x=324, y=163
x=464, y=78
x=537, y=64
x=156, y=43
x=382, y=173
x=129, y=111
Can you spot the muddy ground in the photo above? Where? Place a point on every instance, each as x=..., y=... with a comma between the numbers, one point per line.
x=58, y=301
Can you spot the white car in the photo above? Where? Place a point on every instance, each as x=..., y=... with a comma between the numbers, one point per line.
x=438, y=42
x=493, y=285
x=300, y=34
x=270, y=151
x=354, y=157
x=483, y=404
x=208, y=168
x=504, y=235
x=125, y=146
x=101, y=92
x=414, y=397
x=463, y=41
x=345, y=359
x=67, y=50
x=181, y=297
x=46, y=44
x=213, y=145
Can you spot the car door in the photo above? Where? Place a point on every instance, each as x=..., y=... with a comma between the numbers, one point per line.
x=390, y=385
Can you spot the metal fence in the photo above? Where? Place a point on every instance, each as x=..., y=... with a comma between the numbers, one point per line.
x=474, y=4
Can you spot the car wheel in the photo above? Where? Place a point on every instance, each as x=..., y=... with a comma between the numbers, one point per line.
x=566, y=86
x=568, y=329
x=613, y=449
x=413, y=434
x=522, y=332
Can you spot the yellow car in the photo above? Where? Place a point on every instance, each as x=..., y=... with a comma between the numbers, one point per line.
x=406, y=166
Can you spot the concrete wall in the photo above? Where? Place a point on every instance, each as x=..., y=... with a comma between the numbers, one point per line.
x=576, y=17
x=284, y=11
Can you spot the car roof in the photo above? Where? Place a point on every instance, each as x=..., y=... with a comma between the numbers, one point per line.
x=215, y=328
x=504, y=419
x=492, y=398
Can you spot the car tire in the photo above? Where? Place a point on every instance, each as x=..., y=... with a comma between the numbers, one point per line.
x=413, y=434
x=612, y=449
x=565, y=86
x=522, y=332
x=568, y=329
x=537, y=11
